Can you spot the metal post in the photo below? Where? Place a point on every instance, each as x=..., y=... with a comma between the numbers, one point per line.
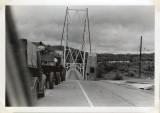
x=88, y=30
x=64, y=62
x=64, y=25
x=140, y=57
x=67, y=32
x=84, y=35
x=83, y=49
x=65, y=38
x=84, y=64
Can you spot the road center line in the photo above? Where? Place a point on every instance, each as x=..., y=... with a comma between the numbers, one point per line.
x=87, y=98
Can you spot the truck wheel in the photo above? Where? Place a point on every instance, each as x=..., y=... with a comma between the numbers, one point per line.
x=64, y=75
x=51, y=85
x=59, y=77
x=44, y=91
x=63, y=79
x=61, y=73
x=51, y=81
x=59, y=80
x=36, y=94
x=56, y=82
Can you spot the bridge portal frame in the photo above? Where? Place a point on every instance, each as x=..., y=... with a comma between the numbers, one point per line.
x=74, y=54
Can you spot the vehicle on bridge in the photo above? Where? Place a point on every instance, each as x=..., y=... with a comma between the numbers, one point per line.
x=52, y=67
x=33, y=62
x=59, y=68
x=48, y=65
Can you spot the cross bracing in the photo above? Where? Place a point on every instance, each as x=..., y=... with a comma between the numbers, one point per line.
x=76, y=21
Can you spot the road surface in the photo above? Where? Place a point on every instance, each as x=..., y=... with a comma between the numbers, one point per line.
x=80, y=93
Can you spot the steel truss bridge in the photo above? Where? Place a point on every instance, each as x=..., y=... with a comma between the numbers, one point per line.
x=75, y=59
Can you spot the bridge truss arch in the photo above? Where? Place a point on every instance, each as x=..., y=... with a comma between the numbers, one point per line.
x=76, y=58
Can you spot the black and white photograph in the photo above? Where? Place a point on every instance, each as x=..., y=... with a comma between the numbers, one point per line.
x=80, y=57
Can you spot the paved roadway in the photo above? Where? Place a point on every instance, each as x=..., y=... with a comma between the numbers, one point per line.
x=77, y=93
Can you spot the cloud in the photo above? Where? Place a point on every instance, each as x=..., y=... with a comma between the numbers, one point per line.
x=113, y=28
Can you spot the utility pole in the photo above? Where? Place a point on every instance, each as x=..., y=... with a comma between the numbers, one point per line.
x=140, y=57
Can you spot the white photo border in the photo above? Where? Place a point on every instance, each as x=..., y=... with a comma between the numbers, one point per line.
x=154, y=109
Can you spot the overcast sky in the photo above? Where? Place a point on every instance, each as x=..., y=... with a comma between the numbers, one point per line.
x=114, y=29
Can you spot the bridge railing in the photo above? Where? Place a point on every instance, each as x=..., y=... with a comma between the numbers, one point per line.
x=73, y=66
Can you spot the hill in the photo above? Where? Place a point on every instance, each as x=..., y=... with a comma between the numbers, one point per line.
x=121, y=66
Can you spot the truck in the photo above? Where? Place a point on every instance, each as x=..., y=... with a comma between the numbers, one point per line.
x=59, y=68
x=33, y=63
x=52, y=68
x=24, y=80
x=48, y=64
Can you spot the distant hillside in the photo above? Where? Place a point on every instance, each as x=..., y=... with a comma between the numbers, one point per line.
x=124, y=70
x=106, y=56
x=124, y=57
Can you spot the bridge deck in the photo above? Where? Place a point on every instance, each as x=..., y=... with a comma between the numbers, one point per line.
x=73, y=74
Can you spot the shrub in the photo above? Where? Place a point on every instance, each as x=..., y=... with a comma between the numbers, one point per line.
x=132, y=73
x=114, y=75
x=118, y=77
